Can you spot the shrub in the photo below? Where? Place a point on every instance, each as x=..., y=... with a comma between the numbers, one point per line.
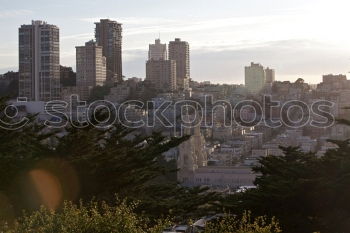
x=92, y=218
x=246, y=224
x=101, y=218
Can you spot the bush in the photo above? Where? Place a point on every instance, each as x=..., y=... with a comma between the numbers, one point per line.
x=246, y=224
x=92, y=218
x=102, y=218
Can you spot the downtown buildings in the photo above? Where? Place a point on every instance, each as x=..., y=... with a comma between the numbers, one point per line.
x=157, y=51
x=98, y=63
x=108, y=34
x=161, y=74
x=179, y=51
x=269, y=75
x=91, y=68
x=91, y=65
x=256, y=77
x=39, y=62
x=168, y=69
x=169, y=73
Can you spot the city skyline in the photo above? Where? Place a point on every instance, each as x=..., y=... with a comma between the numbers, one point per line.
x=294, y=38
x=143, y=116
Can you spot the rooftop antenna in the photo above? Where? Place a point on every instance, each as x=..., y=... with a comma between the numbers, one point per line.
x=159, y=35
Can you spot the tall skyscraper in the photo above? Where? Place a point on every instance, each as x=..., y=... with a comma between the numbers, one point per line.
x=108, y=34
x=91, y=65
x=179, y=51
x=270, y=75
x=157, y=51
x=255, y=78
x=161, y=74
x=39, y=61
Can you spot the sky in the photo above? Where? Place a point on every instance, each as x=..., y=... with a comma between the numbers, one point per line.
x=297, y=38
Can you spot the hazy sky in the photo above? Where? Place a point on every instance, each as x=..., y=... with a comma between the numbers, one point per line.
x=298, y=38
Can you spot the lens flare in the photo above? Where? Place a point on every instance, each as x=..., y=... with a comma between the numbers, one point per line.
x=50, y=182
x=48, y=188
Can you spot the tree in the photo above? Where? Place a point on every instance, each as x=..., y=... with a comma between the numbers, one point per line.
x=87, y=162
x=131, y=168
x=299, y=81
x=306, y=193
x=20, y=150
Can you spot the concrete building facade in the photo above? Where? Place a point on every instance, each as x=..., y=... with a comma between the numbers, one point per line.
x=157, y=51
x=39, y=62
x=255, y=78
x=179, y=51
x=91, y=65
x=270, y=75
x=108, y=34
x=161, y=74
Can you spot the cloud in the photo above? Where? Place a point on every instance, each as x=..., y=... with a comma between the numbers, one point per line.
x=217, y=33
x=144, y=25
x=213, y=34
x=132, y=20
x=14, y=13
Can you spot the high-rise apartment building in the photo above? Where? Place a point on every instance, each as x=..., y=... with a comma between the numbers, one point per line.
x=255, y=78
x=179, y=51
x=108, y=34
x=39, y=62
x=270, y=75
x=157, y=51
x=161, y=74
x=91, y=65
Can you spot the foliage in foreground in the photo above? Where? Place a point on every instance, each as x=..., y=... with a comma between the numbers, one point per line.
x=87, y=162
x=246, y=224
x=92, y=218
x=103, y=218
x=306, y=193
